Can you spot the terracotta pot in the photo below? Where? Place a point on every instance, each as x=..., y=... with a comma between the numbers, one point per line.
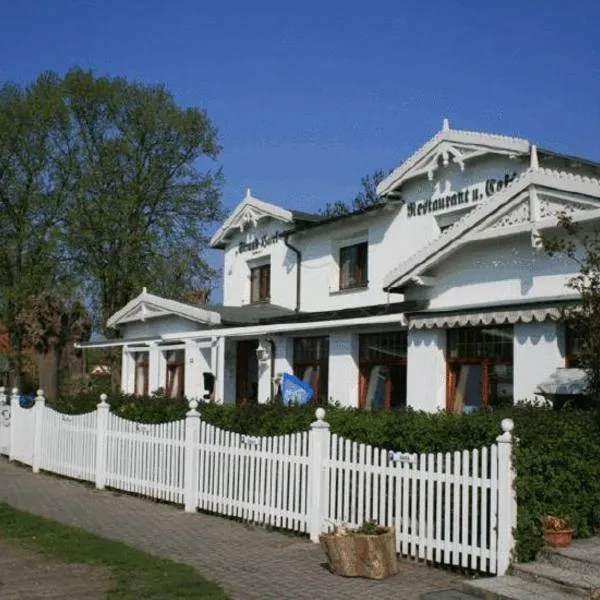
x=558, y=539
x=359, y=555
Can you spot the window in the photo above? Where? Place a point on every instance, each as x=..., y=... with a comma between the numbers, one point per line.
x=382, y=370
x=574, y=341
x=480, y=367
x=175, y=372
x=260, y=284
x=354, y=266
x=311, y=364
x=141, y=373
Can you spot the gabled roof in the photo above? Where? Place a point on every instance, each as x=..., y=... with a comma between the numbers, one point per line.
x=249, y=211
x=450, y=145
x=496, y=212
x=148, y=306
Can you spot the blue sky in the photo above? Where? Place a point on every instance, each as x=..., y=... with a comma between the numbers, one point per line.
x=310, y=96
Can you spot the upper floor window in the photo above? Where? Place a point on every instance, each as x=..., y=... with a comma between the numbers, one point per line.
x=354, y=266
x=260, y=284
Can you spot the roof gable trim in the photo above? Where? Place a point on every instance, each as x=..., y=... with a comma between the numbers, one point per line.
x=148, y=306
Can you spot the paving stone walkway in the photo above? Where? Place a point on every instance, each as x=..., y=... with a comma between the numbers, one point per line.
x=249, y=562
x=25, y=575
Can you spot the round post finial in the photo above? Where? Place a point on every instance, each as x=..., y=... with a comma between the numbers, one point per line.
x=15, y=391
x=103, y=398
x=2, y=389
x=507, y=425
x=193, y=404
x=39, y=393
x=320, y=414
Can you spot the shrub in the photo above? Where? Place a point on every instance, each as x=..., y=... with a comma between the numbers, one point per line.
x=557, y=456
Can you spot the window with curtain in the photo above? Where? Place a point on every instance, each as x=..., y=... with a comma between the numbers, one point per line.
x=175, y=373
x=480, y=367
x=354, y=266
x=141, y=373
x=382, y=368
x=260, y=284
x=311, y=364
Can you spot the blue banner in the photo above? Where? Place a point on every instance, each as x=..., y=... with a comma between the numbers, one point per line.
x=294, y=390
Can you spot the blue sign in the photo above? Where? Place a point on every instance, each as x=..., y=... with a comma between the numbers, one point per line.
x=294, y=390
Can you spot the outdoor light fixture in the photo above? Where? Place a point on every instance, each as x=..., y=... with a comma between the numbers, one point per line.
x=262, y=353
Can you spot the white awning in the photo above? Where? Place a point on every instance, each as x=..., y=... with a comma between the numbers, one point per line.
x=485, y=317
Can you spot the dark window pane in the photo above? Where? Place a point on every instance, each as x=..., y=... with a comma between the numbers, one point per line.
x=354, y=266
x=260, y=283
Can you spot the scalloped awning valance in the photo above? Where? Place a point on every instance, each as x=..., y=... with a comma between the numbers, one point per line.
x=485, y=317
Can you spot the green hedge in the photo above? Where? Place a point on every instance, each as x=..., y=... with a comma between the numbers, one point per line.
x=557, y=456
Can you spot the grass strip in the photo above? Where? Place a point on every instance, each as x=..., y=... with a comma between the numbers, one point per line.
x=136, y=575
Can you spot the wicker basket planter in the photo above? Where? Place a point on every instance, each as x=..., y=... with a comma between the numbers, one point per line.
x=361, y=555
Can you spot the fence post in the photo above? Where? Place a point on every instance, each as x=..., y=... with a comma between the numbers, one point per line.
x=38, y=419
x=14, y=405
x=318, y=491
x=102, y=409
x=507, y=501
x=190, y=476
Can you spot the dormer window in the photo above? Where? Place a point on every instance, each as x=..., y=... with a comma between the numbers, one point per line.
x=354, y=266
x=260, y=283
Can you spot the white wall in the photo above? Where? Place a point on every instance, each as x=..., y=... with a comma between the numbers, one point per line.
x=237, y=265
x=426, y=369
x=195, y=366
x=343, y=368
x=537, y=354
x=157, y=326
x=229, y=372
x=488, y=272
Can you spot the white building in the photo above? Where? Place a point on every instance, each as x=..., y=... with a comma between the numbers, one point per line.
x=439, y=298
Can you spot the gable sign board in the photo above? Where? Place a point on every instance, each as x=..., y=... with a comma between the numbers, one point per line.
x=457, y=200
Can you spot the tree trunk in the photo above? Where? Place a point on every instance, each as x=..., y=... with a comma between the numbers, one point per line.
x=359, y=555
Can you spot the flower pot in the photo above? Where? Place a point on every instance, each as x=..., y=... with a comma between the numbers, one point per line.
x=361, y=555
x=558, y=539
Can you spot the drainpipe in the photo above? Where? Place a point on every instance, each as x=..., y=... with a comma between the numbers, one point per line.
x=272, y=373
x=298, y=264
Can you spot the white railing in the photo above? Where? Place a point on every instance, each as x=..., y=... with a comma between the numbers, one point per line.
x=456, y=508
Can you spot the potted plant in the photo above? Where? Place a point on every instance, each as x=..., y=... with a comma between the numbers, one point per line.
x=556, y=532
x=368, y=551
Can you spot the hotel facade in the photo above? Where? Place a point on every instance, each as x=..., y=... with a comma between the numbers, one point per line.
x=438, y=298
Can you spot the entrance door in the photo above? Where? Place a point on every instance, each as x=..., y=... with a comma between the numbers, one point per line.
x=247, y=372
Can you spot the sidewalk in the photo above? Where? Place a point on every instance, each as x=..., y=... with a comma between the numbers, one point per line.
x=249, y=562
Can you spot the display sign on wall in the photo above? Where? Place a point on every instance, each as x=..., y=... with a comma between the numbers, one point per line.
x=469, y=195
x=258, y=243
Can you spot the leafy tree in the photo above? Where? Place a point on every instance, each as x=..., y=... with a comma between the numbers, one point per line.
x=51, y=325
x=103, y=186
x=582, y=245
x=140, y=206
x=366, y=197
x=32, y=200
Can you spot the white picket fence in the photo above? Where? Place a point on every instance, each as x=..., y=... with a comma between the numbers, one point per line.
x=454, y=508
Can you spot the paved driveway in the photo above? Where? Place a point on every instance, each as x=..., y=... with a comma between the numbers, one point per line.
x=249, y=562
